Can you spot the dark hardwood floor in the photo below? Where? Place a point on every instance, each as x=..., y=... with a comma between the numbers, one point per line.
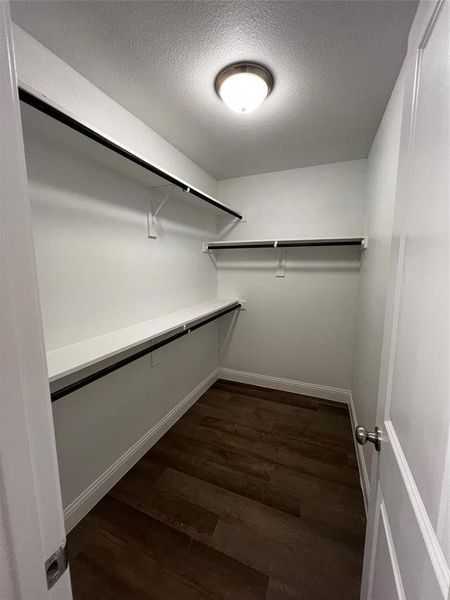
x=253, y=494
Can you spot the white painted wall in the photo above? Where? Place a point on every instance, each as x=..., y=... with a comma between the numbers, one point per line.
x=98, y=271
x=299, y=327
x=381, y=182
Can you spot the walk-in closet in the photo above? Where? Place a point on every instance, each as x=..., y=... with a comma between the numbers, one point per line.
x=225, y=320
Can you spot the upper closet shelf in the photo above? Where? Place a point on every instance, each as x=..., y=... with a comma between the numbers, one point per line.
x=156, y=332
x=162, y=177
x=286, y=243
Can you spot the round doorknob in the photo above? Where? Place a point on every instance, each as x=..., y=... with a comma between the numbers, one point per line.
x=363, y=436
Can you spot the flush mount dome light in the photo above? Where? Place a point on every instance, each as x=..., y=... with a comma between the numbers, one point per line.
x=244, y=86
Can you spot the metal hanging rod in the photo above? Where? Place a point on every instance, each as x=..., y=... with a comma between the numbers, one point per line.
x=182, y=331
x=50, y=110
x=224, y=245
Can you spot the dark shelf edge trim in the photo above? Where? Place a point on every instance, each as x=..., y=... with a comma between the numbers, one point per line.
x=255, y=245
x=324, y=243
x=76, y=385
x=280, y=244
x=69, y=121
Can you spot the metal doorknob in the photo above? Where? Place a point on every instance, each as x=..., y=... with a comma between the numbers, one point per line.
x=363, y=436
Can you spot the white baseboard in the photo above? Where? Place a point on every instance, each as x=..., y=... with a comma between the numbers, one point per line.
x=101, y=486
x=362, y=466
x=286, y=385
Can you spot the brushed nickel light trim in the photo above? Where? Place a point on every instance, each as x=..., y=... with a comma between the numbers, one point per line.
x=244, y=67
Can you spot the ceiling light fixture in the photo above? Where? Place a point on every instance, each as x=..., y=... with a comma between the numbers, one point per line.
x=244, y=86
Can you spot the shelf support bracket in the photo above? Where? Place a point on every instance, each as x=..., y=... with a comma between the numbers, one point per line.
x=210, y=253
x=152, y=230
x=229, y=226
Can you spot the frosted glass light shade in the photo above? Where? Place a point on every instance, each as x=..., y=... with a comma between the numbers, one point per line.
x=244, y=87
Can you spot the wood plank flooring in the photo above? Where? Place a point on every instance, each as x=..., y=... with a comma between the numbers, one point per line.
x=253, y=494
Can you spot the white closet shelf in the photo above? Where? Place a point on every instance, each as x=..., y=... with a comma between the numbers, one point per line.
x=70, y=359
x=159, y=175
x=286, y=243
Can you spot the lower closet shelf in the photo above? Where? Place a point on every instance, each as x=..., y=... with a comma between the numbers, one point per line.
x=145, y=337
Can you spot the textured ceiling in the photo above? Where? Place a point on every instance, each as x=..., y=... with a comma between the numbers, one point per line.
x=334, y=65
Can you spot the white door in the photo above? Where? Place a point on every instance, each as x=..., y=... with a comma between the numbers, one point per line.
x=407, y=554
x=31, y=516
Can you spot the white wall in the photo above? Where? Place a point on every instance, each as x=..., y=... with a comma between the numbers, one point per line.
x=381, y=182
x=299, y=327
x=98, y=271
